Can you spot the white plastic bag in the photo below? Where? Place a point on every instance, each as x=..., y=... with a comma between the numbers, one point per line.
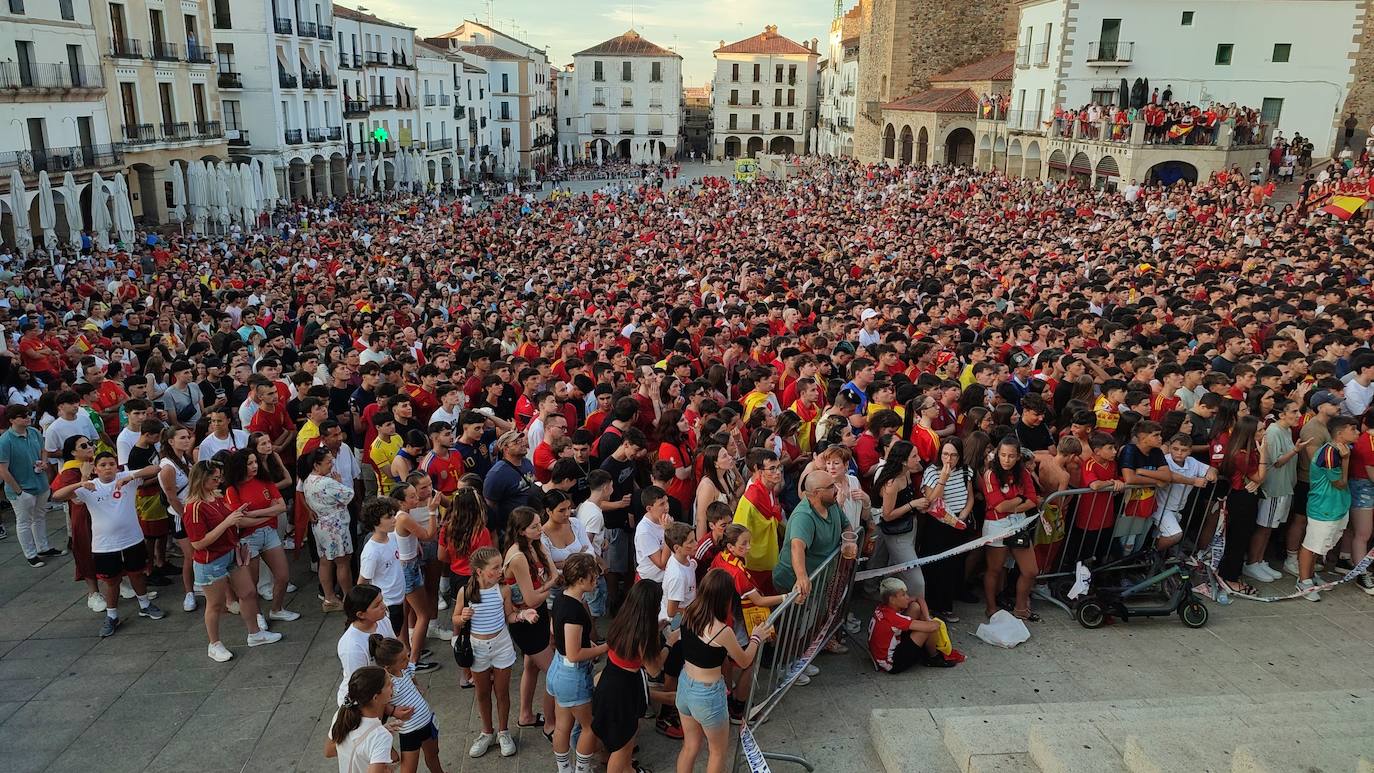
x=1003, y=629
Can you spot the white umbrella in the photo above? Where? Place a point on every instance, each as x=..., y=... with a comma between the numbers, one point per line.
x=72, y=206
x=353, y=175
x=222, y=193
x=200, y=196
x=259, y=192
x=457, y=169
x=267, y=178
x=247, y=196
x=19, y=213
x=123, y=211
x=178, y=210
x=216, y=190
x=100, y=211
x=47, y=212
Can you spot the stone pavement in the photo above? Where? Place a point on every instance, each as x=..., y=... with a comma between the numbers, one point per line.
x=148, y=698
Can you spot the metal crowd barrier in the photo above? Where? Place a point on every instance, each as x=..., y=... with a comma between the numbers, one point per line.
x=801, y=629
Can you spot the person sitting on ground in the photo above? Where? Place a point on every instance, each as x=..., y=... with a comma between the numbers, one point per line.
x=903, y=634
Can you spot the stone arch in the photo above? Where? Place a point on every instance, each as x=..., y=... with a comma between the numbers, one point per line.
x=889, y=142
x=319, y=176
x=999, y=153
x=906, y=145
x=783, y=145
x=600, y=149
x=446, y=168
x=338, y=174
x=732, y=147
x=755, y=147
x=1059, y=165
x=1031, y=160
x=959, y=147
x=388, y=178
x=1015, y=159
x=848, y=150
x=1106, y=174
x=1081, y=168
x=298, y=178
x=984, y=161
x=923, y=147
x=1169, y=172
x=145, y=194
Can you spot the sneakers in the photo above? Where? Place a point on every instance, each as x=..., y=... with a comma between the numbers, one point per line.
x=443, y=603
x=51, y=553
x=437, y=632
x=811, y=669
x=152, y=612
x=802, y=679
x=126, y=591
x=480, y=746
x=1290, y=564
x=507, y=743
x=232, y=607
x=289, y=543
x=95, y=602
x=1260, y=571
x=265, y=593
x=853, y=625
x=736, y=709
x=669, y=727
x=422, y=666
x=331, y=606
x=219, y=653
x=35, y=562
x=262, y=622
x=834, y=647
x=108, y=627
x=188, y=604
x=1366, y=583
x=263, y=637
x=284, y=615
x=1305, y=587
x=4, y=533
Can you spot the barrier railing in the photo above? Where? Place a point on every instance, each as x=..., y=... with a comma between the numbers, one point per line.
x=802, y=627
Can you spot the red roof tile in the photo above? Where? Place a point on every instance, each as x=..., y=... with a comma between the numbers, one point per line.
x=490, y=52
x=629, y=44
x=998, y=67
x=766, y=42
x=937, y=101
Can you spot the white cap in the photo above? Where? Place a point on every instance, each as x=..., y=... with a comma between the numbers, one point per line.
x=868, y=314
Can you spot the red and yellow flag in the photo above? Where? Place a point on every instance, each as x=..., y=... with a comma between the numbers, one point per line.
x=1343, y=207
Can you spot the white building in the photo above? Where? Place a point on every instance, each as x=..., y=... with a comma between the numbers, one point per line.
x=1278, y=56
x=52, y=102
x=279, y=75
x=383, y=76
x=439, y=77
x=764, y=95
x=519, y=89
x=622, y=98
x=838, y=75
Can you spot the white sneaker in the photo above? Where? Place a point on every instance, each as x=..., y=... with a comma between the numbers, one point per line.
x=811, y=669
x=219, y=653
x=507, y=743
x=126, y=591
x=1255, y=572
x=265, y=593
x=232, y=607
x=436, y=632
x=480, y=746
x=263, y=637
x=188, y=604
x=284, y=615
x=290, y=587
x=443, y=603
x=1305, y=588
x=803, y=679
x=262, y=622
x=1290, y=564
x=95, y=602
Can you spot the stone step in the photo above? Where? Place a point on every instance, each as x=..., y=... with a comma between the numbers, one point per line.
x=907, y=739
x=1075, y=748
x=1329, y=754
x=1188, y=746
x=1002, y=763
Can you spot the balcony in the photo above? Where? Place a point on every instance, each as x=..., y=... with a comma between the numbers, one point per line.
x=49, y=77
x=847, y=91
x=1023, y=55
x=287, y=80
x=305, y=29
x=398, y=59
x=844, y=123
x=282, y=25
x=655, y=132
x=138, y=133
x=310, y=80
x=598, y=103
x=403, y=102
x=293, y=136
x=1110, y=53
x=126, y=48
x=431, y=100
x=460, y=112
x=355, y=108
x=349, y=61
x=241, y=141
x=165, y=52
x=175, y=132
x=316, y=135
x=223, y=21
x=1040, y=55
x=324, y=32
x=328, y=81
x=443, y=144
x=381, y=102
x=228, y=79
x=198, y=54
x=209, y=129
x=627, y=103
x=373, y=58
x=335, y=133
x=61, y=159
x=444, y=100
x=655, y=105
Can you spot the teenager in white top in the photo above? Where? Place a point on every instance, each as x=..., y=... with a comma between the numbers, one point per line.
x=222, y=436
x=358, y=737
x=651, y=550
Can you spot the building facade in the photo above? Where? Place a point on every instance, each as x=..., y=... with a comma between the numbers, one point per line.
x=439, y=75
x=941, y=124
x=279, y=74
x=839, y=75
x=161, y=90
x=696, y=121
x=622, y=100
x=764, y=96
x=383, y=76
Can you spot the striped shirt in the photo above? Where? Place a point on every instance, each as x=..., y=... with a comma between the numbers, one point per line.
x=956, y=488
x=405, y=693
x=488, y=611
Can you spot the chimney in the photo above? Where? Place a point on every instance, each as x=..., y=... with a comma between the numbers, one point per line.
x=722, y=44
x=814, y=43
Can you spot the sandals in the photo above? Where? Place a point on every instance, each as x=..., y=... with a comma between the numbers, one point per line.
x=1240, y=588
x=1026, y=615
x=538, y=722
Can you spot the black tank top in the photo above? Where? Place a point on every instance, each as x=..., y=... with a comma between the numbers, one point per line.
x=699, y=653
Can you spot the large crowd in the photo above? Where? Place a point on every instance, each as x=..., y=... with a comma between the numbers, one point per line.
x=605, y=433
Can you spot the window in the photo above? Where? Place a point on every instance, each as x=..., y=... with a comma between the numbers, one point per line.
x=777, y=120
x=24, y=50
x=74, y=68
x=754, y=122
x=777, y=96
x=626, y=73
x=792, y=73
x=734, y=121
x=734, y=96
x=1224, y=51
x=505, y=111
x=656, y=72
x=597, y=74
x=734, y=73
x=164, y=98
x=230, y=109
x=16, y=6
x=755, y=99
x=505, y=82
x=1270, y=110
x=791, y=97
x=790, y=116
x=777, y=74
x=64, y=7
x=505, y=137
x=1281, y=52
x=756, y=73
x=1187, y=19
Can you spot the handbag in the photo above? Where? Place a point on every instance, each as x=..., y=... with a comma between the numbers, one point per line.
x=897, y=526
x=462, y=644
x=1021, y=539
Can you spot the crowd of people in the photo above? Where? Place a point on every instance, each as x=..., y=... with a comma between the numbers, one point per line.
x=613, y=169
x=605, y=433
x=1166, y=122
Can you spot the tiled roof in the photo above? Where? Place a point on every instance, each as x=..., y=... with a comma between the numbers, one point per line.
x=937, y=101
x=629, y=44
x=766, y=42
x=356, y=15
x=998, y=67
x=490, y=52
x=459, y=32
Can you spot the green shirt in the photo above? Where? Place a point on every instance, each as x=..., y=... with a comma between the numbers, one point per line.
x=1326, y=502
x=820, y=535
x=23, y=454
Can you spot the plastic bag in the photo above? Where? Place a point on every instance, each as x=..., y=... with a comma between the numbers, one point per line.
x=1003, y=629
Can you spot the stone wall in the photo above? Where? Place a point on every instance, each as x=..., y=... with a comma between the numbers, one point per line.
x=905, y=42
x=1360, y=100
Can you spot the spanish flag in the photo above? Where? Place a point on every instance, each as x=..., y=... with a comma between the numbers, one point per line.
x=806, y=436
x=1178, y=130
x=1343, y=207
x=760, y=512
x=83, y=343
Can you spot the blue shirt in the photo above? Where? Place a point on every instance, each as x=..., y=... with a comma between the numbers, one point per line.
x=24, y=455
x=507, y=487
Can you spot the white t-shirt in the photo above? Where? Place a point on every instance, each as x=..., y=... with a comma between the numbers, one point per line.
x=594, y=522
x=57, y=433
x=369, y=743
x=679, y=584
x=441, y=415
x=114, y=520
x=125, y=441
x=648, y=539
x=354, y=654
x=212, y=445
x=380, y=564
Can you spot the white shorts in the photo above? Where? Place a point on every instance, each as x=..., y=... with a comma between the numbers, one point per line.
x=1002, y=526
x=1273, y=511
x=1167, y=521
x=1321, y=536
x=498, y=652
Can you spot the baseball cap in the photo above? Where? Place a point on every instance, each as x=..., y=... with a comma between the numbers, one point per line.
x=844, y=347
x=868, y=314
x=1323, y=397
x=507, y=438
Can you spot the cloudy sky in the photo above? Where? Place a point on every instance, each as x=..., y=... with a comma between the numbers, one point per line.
x=693, y=28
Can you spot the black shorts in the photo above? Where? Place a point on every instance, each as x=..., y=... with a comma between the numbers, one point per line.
x=907, y=654
x=397, y=614
x=130, y=560
x=412, y=741
x=533, y=638
x=1300, y=491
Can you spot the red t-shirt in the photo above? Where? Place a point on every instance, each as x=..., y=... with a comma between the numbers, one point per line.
x=995, y=493
x=885, y=632
x=1096, y=510
x=1162, y=405
x=254, y=494
x=681, y=489
x=543, y=461
x=200, y=519
x=444, y=471
x=106, y=396
x=458, y=562
x=271, y=422
x=927, y=443
x=1362, y=456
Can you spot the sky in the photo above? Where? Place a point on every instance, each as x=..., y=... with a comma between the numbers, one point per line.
x=693, y=28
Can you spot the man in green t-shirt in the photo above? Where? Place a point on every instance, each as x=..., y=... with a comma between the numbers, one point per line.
x=1328, y=500
x=812, y=534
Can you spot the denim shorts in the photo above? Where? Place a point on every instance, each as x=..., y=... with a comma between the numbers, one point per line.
x=703, y=702
x=262, y=540
x=570, y=684
x=1361, y=493
x=596, y=600
x=413, y=570
x=216, y=570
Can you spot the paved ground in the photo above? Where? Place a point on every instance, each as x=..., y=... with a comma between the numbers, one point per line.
x=149, y=698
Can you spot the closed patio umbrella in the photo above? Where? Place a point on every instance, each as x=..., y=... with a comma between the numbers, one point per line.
x=178, y=210
x=123, y=211
x=47, y=212
x=100, y=211
x=19, y=213
x=72, y=206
